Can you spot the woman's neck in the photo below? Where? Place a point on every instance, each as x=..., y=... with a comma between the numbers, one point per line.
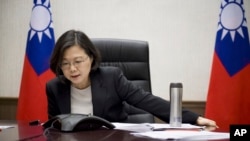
x=83, y=85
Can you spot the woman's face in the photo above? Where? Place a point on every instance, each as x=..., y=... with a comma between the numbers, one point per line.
x=76, y=66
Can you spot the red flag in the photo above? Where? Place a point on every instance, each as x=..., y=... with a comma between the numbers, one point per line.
x=32, y=102
x=228, y=100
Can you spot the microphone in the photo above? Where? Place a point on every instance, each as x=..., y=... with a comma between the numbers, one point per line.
x=175, y=104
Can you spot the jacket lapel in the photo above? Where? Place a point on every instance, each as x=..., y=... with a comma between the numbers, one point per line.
x=98, y=94
x=64, y=101
x=98, y=90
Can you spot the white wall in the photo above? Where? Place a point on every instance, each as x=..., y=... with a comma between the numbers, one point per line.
x=181, y=35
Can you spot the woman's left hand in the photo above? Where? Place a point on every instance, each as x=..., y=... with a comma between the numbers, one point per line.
x=210, y=124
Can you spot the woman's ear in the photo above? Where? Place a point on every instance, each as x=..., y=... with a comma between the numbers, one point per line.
x=91, y=59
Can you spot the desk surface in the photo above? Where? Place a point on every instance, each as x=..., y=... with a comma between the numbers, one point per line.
x=22, y=131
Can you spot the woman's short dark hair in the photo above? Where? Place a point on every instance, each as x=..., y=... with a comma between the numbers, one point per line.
x=69, y=39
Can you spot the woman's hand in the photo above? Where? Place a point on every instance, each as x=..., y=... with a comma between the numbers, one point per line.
x=210, y=124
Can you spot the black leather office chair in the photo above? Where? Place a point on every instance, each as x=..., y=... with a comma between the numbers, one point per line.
x=132, y=56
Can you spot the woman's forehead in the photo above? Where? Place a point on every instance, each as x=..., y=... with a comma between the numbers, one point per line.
x=74, y=51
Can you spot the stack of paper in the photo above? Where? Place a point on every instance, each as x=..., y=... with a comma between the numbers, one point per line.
x=164, y=131
x=184, y=134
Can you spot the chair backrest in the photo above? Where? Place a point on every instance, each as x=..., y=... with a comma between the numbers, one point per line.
x=132, y=57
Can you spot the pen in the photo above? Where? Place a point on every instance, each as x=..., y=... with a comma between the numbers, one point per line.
x=177, y=129
x=34, y=122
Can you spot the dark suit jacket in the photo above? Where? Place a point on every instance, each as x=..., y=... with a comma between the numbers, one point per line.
x=109, y=89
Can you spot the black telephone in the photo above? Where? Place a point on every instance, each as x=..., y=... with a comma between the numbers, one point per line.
x=77, y=122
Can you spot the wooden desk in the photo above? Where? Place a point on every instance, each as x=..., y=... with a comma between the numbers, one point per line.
x=22, y=131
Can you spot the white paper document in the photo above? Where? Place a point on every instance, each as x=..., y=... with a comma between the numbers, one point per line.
x=184, y=134
x=162, y=126
x=164, y=131
x=143, y=127
x=5, y=127
x=133, y=127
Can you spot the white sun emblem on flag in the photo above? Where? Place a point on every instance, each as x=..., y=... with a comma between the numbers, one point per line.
x=232, y=18
x=41, y=20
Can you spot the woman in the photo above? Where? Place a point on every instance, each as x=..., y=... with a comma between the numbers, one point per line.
x=81, y=86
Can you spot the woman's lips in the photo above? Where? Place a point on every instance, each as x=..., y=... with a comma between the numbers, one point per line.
x=75, y=76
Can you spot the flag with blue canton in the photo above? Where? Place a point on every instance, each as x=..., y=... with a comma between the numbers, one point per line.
x=32, y=102
x=228, y=100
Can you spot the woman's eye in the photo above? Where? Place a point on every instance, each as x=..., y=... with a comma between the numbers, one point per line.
x=78, y=62
x=65, y=64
